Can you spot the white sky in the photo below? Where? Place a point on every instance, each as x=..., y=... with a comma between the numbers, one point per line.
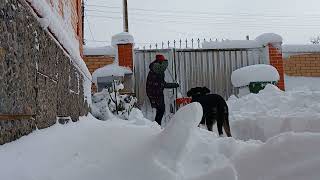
x=152, y=21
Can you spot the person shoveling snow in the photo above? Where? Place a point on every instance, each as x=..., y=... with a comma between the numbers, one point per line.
x=156, y=84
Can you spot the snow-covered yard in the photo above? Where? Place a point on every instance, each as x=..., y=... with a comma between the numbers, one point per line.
x=264, y=145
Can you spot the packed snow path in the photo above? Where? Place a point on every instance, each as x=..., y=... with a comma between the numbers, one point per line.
x=139, y=150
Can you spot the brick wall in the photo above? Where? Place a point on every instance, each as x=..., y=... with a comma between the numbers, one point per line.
x=95, y=62
x=303, y=65
x=75, y=7
x=125, y=55
x=276, y=60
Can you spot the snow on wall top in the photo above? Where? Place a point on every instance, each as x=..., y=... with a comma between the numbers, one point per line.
x=122, y=38
x=267, y=38
x=105, y=50
x=260, y=41
x=254, y=73
x=64, y=33
x=296, y=48
x=110, y=70
x=230, y=44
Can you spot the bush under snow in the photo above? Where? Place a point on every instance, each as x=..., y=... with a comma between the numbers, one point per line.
x=109, y=103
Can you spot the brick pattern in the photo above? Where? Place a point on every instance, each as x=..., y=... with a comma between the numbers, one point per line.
x=303, y=65
x=276, y=60
x=95, y=62
x=76, y=17
x=125, y=55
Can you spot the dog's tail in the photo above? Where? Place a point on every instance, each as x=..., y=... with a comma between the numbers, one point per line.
x=226, y=125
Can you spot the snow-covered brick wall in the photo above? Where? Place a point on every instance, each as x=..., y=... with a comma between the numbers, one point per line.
x=99, y=51
x=63, y=31
x=254, y=73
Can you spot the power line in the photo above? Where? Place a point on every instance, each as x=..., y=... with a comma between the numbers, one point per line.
x=89, y=28
x=216, y=22
x=196, y=12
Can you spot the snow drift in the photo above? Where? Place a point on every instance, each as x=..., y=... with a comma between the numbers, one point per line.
x=272, y=111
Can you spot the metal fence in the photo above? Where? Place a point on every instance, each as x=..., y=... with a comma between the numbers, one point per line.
x=195, y=67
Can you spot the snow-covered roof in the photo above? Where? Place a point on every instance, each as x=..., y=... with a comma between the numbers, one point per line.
x=260, y=41
x=110, y=70
x=254, y=73
x=122, y=38
x=104, y=50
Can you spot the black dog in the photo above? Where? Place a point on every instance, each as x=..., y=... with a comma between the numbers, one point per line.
x=215, y=109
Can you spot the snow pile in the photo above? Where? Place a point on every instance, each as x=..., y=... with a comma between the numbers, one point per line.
x=254, y=73
x=122, y=38
x=259, y=42
x=302, y=83
x=107, y=104
x=118, y=150
x=287, y=156
x=272, y=111
x=94, y=51
x=63, y=31
x=110, y=70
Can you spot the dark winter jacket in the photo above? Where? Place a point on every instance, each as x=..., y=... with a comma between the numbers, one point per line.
x=156, y=83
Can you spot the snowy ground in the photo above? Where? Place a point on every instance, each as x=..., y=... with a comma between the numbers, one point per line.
x=139, y=150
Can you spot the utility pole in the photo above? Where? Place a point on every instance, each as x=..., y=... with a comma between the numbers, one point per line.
x=125, y=16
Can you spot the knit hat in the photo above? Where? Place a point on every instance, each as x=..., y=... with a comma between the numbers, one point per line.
x=160, y=57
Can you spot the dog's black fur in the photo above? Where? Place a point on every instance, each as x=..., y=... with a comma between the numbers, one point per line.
x=215, y=109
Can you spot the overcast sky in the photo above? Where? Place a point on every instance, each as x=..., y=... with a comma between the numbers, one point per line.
x=152, y=21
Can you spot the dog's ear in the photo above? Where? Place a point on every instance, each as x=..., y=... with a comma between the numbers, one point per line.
x=190, y=92
x=206, y=90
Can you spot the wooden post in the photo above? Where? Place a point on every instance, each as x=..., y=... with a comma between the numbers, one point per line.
x=125, y=16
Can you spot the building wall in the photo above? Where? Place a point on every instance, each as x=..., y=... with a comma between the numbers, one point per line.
x=71, y=12
x=303, y=65
x=37, y=77
x=96, y=62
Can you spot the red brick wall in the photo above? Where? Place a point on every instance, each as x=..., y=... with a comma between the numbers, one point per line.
x=95, y=62
x=276, y=60
x=307, y=65
x=125, y=55
x=76, y=17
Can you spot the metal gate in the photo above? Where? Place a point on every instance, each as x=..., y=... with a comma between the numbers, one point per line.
x=195, y=67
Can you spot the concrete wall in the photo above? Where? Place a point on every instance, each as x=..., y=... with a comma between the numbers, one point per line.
x=37, y=77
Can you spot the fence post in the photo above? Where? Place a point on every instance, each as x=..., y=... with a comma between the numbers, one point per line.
x=273, y=43
x=276, y=60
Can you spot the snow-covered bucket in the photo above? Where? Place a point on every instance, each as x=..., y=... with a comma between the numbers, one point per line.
x=252, y=79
